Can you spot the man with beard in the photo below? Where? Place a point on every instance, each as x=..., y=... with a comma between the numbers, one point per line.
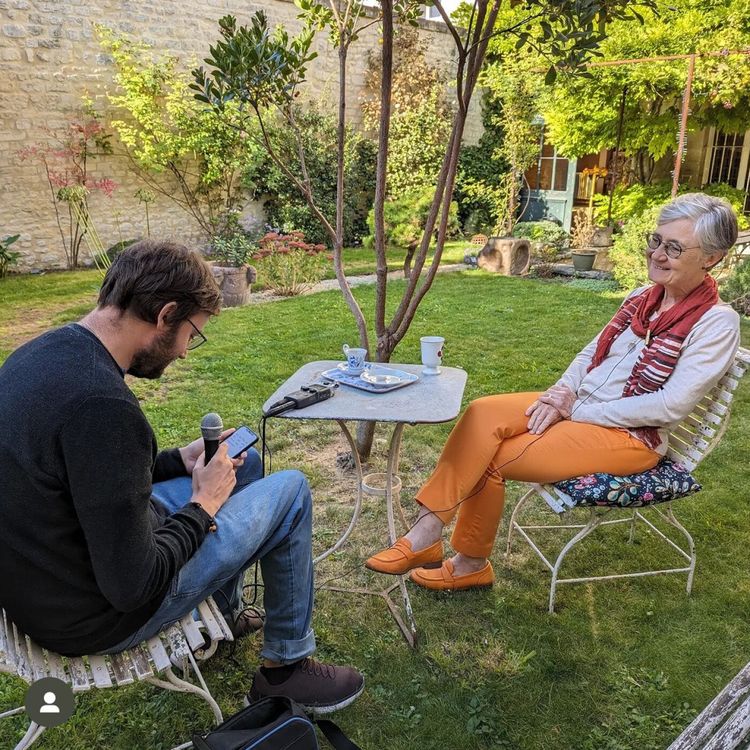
x=104, y=541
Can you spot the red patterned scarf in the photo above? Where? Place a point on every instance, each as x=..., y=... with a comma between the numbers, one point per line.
x=664, y=337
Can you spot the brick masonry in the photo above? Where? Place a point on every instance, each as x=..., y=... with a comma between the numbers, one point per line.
x=50, y=58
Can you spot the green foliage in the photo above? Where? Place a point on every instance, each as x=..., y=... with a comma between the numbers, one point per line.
x=563, y=34
x=420, y=117
x=736, y=289
x=232, y=249
x=287, y=264
x=285, y=207
x=628, y=251
x=8, y=257
x=582, y=113
x=478, y=169
x=632, y=201
x=594, y=285
x=405, y=219
x=165, y=130
x=256, y=65
x=545, y=232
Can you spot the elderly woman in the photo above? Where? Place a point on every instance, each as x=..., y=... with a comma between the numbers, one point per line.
x=665, y=348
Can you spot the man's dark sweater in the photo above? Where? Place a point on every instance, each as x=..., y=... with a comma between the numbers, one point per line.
x=86, y=556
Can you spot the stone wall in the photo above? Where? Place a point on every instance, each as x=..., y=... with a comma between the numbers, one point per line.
x=50, y=58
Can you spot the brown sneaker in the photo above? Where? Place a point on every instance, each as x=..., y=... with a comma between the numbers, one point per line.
x=248, y=621
x=319, y=688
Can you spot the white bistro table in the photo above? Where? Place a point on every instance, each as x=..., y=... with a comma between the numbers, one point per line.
x=430, y=400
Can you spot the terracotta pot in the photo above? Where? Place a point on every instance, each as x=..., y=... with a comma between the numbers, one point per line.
x=234, y=283
x=509, y=256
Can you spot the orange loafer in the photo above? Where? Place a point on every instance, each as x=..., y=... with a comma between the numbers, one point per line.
x=444, y=580
x=400, y=559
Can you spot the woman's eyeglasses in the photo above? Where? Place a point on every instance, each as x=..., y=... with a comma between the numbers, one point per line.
x=671, y=247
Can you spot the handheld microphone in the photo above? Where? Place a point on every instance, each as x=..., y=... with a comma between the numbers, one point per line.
x=211, y=428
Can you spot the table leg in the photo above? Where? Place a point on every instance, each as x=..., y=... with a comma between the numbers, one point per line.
x=408, y=628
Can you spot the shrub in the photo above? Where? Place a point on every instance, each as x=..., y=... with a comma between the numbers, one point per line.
x=628, y=252
x=405, y=219
x=8, y=257
x=420, y=114
x=551, y=236
x=232, y=250
x=629, y=202
x=287, y=264
x=284, y=205
x=736, y=289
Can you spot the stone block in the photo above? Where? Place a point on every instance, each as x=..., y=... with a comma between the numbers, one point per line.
x=14, y=30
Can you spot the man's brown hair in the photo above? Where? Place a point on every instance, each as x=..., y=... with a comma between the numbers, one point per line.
x=148, y=274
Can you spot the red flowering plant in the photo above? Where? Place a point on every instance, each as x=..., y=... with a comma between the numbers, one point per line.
x=65, y=159
x=287, y=264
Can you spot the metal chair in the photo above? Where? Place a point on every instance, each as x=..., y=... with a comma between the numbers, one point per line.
x=689, y=443
x=152, y=661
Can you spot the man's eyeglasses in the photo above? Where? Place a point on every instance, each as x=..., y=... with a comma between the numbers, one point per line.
x=197, y=340
x=672, y=248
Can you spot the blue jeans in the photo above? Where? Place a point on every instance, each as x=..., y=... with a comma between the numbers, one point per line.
x=266, y=519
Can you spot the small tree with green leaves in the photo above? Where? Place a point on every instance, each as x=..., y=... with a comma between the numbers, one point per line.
x=166, y=132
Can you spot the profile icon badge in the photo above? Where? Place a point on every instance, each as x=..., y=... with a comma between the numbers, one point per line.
x=49, y=702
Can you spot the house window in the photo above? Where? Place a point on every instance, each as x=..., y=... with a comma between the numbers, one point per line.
x=550, y=171
x=431, y=13
x=725, y=158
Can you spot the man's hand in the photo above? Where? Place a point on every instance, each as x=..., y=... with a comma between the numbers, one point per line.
x=213, y=484
x=542, y=416
x=561, y=397
x=191, y=452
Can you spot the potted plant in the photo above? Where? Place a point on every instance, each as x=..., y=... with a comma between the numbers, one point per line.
x=581, y=236
x=230, y=254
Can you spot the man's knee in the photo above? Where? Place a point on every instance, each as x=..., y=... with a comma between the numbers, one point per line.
x=294, y=484
x=252, y=469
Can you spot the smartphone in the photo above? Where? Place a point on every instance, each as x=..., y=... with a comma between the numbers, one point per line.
x=239, y=441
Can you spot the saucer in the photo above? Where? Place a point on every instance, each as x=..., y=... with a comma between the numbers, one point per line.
x=344, y=367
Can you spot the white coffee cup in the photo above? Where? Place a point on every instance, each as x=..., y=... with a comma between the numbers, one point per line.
x=432, y=354
x=355, y=359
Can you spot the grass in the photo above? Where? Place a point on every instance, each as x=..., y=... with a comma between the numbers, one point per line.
x=622, y=665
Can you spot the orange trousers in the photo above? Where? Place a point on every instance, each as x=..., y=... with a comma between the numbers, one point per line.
x=490, y=443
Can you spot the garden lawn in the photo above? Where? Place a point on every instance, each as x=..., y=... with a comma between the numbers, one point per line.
x=622, y=665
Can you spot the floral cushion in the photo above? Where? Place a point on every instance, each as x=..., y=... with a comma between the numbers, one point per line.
x=666, y=481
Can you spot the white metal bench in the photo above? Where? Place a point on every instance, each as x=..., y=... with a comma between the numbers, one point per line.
x=689, y=443
x=724, y=724
x=152, y=661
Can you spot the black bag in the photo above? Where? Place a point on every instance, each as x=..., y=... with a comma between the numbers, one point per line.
x=271, y=724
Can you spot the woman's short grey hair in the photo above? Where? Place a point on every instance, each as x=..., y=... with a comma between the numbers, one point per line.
x=714, y=220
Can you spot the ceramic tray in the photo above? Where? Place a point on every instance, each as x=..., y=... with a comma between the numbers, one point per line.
x=342, y=376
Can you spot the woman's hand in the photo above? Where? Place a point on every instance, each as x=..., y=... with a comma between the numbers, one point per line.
x=542, y=416
x=192, y=451
x=561, y=397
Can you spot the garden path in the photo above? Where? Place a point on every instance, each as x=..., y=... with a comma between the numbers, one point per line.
x=329, y=284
